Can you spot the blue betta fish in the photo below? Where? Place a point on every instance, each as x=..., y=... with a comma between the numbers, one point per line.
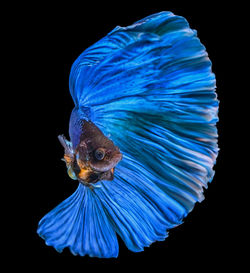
x=143, y=138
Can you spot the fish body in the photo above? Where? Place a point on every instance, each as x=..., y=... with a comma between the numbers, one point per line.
x=143, y=138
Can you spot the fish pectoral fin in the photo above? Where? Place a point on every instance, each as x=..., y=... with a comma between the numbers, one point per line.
x=71, y=173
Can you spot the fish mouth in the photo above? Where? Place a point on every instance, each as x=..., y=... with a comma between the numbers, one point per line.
x=115, y=160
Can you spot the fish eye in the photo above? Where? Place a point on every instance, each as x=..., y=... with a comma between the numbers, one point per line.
x=99, y=154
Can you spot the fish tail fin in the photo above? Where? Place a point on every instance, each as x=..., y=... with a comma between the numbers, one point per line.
x=81, y=224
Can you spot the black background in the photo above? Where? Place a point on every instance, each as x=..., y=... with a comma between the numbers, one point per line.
x=56, y=37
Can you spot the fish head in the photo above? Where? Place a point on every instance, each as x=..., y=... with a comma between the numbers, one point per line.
x=94, y=158
x=97, y=157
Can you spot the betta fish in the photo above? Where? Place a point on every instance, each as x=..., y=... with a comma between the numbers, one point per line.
x=143, y=138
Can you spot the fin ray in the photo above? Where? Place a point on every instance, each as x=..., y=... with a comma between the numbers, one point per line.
x=81, y=224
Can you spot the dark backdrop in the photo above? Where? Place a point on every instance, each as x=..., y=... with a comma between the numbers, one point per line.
x=57, y=36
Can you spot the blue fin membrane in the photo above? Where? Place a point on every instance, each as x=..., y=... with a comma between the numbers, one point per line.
x=81, y=224
x=150, y=88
